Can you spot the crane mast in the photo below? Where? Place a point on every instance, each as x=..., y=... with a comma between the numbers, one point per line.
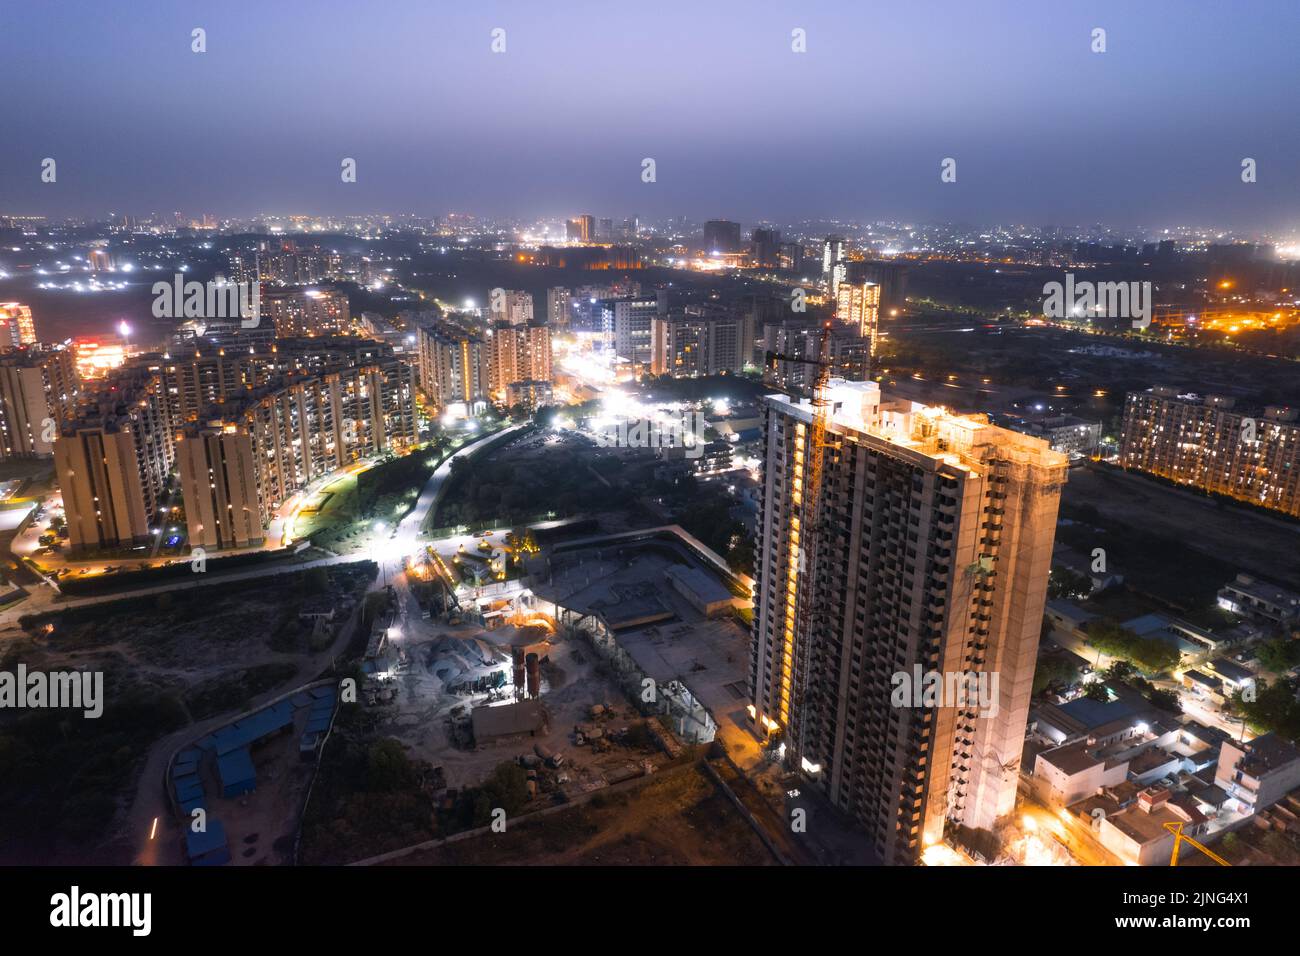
x=805, y=532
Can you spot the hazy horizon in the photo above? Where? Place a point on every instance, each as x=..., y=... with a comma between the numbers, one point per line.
x=1045, y=131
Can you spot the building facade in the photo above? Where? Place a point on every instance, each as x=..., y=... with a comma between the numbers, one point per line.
x=518, y=353
x=453, y=365
x=38, y=393
x=1210, y=444
x=933, y=546
x=307, y=312
x=113, y=462
x=17, y=329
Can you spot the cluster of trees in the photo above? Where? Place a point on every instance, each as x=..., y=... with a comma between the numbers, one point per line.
x=1054, y=672
x=369, y=799
x=1150, y=655
x=383, y=489
x=61, y=775
x=1122, y=672
x=1068, y=585
x=1274, y=708
x=506, y=788
x=1280, y=654
x=707, y=516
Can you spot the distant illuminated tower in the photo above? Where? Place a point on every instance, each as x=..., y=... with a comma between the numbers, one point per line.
x=16, y=326
x=558, y=307
x=516, y=307
x=99, y=260
x=832, y=262
x=721, y=235
x=857, y=305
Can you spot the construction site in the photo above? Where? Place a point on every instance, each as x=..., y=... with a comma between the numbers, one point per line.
x=588, y=663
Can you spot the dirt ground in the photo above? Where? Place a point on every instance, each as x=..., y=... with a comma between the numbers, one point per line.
x=681, y=819
x=1257, y=544
x=260, y=826
x=442, y=656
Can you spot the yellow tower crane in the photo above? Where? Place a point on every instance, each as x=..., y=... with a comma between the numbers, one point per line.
x=805, y=530
x=1179, y=838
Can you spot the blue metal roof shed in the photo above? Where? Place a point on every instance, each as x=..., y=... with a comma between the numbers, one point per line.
x=207, y=848
x=237, y=774
x=187, y=788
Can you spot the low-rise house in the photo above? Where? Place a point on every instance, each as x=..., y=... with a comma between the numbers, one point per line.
x=1138, y=750
x=1071, y=560
x=1258, y=773
x=1234, y=676
x=1138, y=835
x=1106, y=722
x=1261, y=600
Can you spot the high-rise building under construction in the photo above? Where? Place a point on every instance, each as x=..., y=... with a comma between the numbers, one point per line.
x=926, y=552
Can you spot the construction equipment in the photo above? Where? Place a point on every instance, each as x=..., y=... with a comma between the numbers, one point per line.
x=1179, y=838
x=805, y=532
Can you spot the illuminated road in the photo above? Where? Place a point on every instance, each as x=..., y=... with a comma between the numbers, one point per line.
x=1059, y=827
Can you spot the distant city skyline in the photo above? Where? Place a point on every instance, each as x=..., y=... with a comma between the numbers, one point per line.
x=1044, y=130
x=808, y=229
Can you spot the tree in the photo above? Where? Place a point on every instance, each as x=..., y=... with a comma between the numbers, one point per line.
x=1148, y=654
x=1279, y=655
x=1274, y=708
x=1057, y=671
x=1096, y=690
x=1063, y=583
x=388, y=769
x=740, y=556
x=506, y=788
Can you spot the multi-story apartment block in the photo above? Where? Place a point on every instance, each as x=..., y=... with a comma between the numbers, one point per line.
x=702, y=340
x=626, y=322
x=928, y=554
x=1076, y=437
x=559, y=305
x=219, y=482
x=453, y=365
x=532, y=395
x=858, y=308
x=303, y=406
x=17, y=329
x=518, y=353
x=113, y=461
x=849, y=353
x=1258, y=773
x=1210, y=444
x=307, y=312
x=510, y=306
x=833, y=267
x=272, y=441
x=195, y=378
x=38, y=393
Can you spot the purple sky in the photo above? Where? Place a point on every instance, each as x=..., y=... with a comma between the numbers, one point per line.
x=1151, y=132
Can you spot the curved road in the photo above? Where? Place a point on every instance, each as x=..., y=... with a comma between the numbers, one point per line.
x=151, y=800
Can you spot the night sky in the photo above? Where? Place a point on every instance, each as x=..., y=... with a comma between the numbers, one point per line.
x=1151, y=132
